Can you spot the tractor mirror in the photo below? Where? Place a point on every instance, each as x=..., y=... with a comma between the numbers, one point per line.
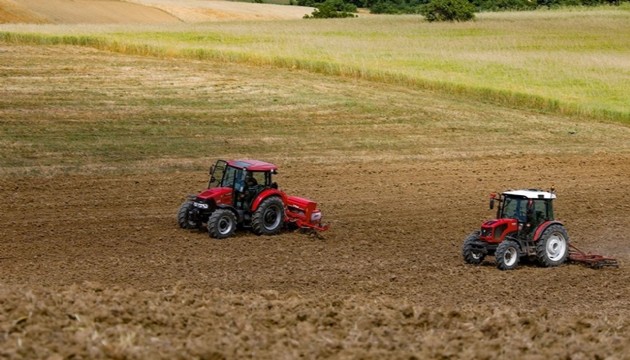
x=211, y=171
x=491, y=204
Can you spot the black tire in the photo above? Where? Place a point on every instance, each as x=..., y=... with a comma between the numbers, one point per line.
x=552, y=249
x=221, y=224
x=268, y=219
x=507, y=255
x=183, y=216
x=471, y=254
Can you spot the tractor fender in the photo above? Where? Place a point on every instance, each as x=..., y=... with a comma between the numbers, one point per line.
x=542, y=227
x=265, y=194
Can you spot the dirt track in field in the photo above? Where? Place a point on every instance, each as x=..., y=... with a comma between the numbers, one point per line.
x=98, y=264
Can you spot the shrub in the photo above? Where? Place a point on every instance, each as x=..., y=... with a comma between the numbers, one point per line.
x=504, y=5
x=332, y=9
x=448, y=10
x=396, y=6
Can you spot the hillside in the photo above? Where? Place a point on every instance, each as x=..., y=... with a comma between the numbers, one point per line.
x=140, y=11
x=399, y=129
x=99, y=149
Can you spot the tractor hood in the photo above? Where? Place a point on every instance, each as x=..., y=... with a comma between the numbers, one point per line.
x=497, y=222
x=215, y=194
x=493, y=231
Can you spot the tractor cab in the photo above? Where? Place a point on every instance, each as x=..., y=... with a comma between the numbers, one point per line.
x=245, y=179
x=234, y=173
x=519, y=212
x=529, y=207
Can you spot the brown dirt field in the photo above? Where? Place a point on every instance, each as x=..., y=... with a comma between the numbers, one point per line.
x=96, y=266
x=93, y=265
x=141, y=11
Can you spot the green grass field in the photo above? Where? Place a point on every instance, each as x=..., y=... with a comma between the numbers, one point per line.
x=353, y=90
x=75, y=109
x=568, y=61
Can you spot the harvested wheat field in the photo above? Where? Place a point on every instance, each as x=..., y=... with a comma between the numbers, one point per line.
x=141, y=11
x=98, y=151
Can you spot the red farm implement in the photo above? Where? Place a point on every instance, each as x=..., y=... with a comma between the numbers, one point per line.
x=592, y=260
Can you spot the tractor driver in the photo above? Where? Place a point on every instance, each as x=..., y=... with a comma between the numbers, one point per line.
x=250, y=182
x=249, y=192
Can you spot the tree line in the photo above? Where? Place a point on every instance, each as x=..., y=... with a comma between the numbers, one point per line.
x=437, y=10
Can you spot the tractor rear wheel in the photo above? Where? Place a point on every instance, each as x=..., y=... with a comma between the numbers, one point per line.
x=507, y=255
x=552, y=248
x=183, y=216
x=269, y=217
x=472, y=255
x=221, y=224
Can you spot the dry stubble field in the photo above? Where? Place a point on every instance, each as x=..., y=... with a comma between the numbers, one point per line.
x=98, y=151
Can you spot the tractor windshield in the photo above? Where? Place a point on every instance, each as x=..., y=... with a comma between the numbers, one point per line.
x=216, y=174
x=514, y=208
x=223, y=175
x=230, y=175
x=532, y=211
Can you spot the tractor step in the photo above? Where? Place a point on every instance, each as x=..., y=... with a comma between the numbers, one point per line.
x=592, y=260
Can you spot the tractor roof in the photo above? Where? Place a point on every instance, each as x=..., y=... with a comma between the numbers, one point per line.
x=531, y=194
x=252, y=165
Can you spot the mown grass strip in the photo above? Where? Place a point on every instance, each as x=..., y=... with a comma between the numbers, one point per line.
x=484, y=94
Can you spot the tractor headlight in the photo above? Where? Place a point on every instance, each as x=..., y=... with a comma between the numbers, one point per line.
x=200, y=205
x=316, y=216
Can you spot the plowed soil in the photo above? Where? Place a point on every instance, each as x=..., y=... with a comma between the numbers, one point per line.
x=96, y=266
x=93, y=264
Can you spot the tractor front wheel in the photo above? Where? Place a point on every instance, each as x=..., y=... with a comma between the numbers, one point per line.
x=269, y=217
x=507, y=255
x=221, y=224
x=183, y=216
x=472, y=255
x=553, y=246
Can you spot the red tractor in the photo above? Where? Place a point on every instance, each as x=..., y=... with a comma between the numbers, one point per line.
x=524, y=227
x=241, y=193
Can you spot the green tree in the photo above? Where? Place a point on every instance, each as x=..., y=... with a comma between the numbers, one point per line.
x=448, y=10
x=396, y=6
x=332, y=9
